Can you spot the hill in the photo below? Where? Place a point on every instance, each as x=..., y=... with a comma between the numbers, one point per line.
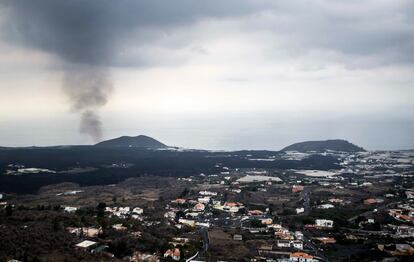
x=321, y=146
x=130, y=141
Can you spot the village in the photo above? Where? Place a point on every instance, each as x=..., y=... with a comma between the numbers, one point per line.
x=363, y=211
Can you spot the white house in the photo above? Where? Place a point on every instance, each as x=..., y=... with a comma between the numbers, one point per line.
x=86, y=244
x=283, y=243
x=204, y=200
x=326, y=206
x=298, y=235
x=324, y=223
x=208, y=193
x=297, y=244
x=138, y=211
x=300, y=210
x=70, y=209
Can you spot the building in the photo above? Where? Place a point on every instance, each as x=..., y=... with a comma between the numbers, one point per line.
x=266, y=221
x=326, y=206
x=203, y=224
x=373, y=201
x=255, y=212
x=238, y=237
x=297, y=188
x=179, y=241
x=173, y=253
x=84, y=231
x=324, y=223
x=138, y=211
x=121, y=212
x=300, y=210
x=70, y=209
x=405, y=231
x=91, y=232
x=299, y=235
x=204, y=200
x=336, y=200
x=397, y=249
x=119, y=227
x=283, y=243
x=297, y=244
x=169, y=214
x=187, y=222
x=326, y=240
x=143, y=257
x=86, y=245
x=208, y=193
x=199, y=207
x=401, y=215
x=301, y=257
x=409, y=194
x=231, y=207
x=179, y=201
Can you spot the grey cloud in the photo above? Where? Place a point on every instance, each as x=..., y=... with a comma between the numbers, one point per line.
x=102, y=32
x=375, y=33
x=90, y=31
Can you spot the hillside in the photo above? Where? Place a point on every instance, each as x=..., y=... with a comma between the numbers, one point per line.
x=140, y=141
x=320, y=146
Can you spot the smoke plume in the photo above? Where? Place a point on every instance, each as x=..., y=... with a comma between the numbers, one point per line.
x=91, y=125
x=91, y=36
x=88, y=89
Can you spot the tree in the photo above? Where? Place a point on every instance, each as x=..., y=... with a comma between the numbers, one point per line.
x=56, y=224
x=83, y=220
x=179, y=215
x=185, y=192
x=101, y=210
x=9, y=210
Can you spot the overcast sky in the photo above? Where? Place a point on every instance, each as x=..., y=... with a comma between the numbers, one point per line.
x=214, y=74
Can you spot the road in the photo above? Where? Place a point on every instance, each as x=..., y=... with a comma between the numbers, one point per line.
x=206, y=243
x=304, y=195
x=380, y=208
x=315, y=250
x=206, y=240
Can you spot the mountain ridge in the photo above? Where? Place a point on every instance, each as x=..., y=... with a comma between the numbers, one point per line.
x=324, y=145
x=140, y=141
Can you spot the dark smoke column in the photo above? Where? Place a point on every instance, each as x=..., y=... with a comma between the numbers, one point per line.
x=88, y=89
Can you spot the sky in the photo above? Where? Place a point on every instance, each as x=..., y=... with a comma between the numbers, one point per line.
x=222, y=75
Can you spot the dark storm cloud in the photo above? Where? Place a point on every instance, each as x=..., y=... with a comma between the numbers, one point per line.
x=89, y=31
x=100, y=32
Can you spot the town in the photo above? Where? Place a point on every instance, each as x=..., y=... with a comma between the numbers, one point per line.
x=363, y=211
